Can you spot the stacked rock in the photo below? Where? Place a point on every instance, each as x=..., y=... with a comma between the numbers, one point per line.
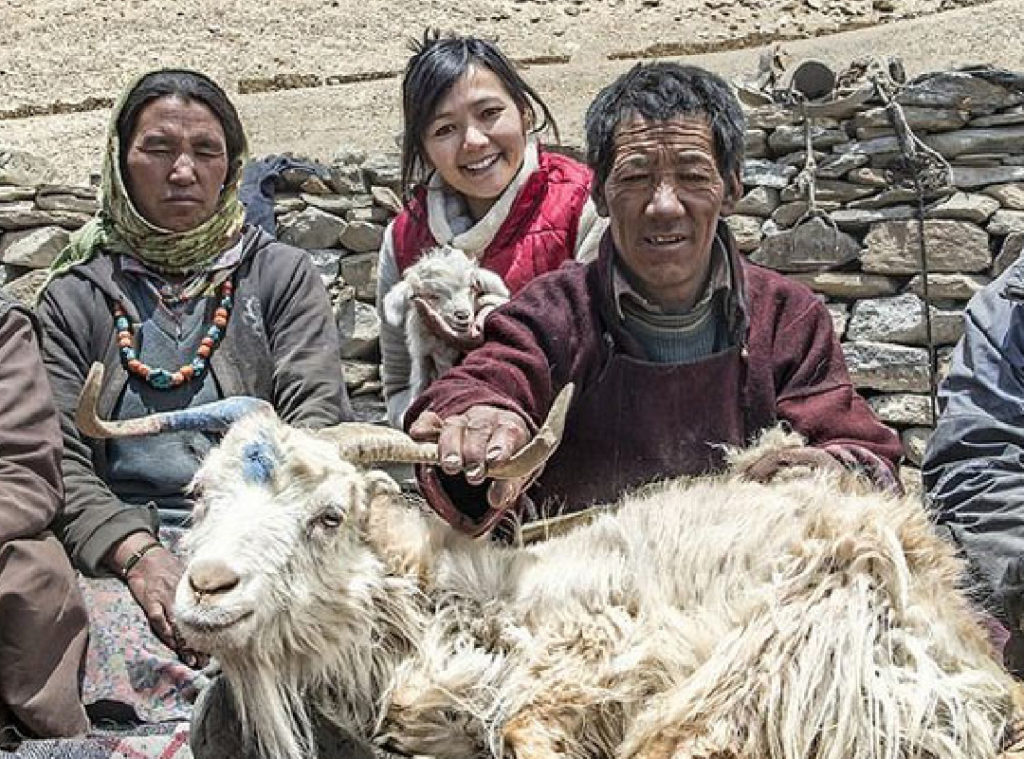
x=338, y=212
x=36, y=219
x=868, y=267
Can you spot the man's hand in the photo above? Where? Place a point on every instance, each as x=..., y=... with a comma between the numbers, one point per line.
x=471, y=442
x=152, y=581
x=769, y=465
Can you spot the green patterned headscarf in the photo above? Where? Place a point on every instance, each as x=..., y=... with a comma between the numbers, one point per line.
x=120, y=228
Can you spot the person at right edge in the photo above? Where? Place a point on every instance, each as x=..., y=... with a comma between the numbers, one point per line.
x=974, y=464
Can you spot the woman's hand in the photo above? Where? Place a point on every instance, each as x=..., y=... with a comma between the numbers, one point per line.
x=152, y=580
x=769, y=465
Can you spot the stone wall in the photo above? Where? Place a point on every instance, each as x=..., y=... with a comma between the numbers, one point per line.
x=867, y=270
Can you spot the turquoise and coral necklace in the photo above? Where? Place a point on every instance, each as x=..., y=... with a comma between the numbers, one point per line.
x=162, y=379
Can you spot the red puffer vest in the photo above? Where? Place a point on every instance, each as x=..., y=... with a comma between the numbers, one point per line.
x=538, y=235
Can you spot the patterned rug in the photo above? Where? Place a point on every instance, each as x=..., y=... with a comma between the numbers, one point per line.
x=162, y=741
x=127, y=668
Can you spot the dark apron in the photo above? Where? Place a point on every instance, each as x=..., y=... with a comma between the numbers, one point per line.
x=640, y=422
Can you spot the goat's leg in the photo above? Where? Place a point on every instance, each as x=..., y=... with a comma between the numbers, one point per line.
x=706, y=714
x=440, y=698
x=577, y=711
x=693, y=743
x=666, y=731
x=575, y=723
x=571, y=700
x=532, y=739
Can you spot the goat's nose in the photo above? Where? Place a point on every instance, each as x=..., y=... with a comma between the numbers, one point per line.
x=462, y=314
x=211, y=576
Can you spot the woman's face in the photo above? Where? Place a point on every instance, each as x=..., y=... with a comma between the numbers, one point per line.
x=177, y=163
x=476, y=138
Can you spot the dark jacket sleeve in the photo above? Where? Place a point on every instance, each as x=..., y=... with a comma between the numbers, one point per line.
x=974, y=464
x=94, y=519
x=814, y=394
x=30, y=440
x=308, y=381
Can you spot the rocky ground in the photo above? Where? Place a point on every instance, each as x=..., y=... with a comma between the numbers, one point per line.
x=65, y=52
x=317, y=76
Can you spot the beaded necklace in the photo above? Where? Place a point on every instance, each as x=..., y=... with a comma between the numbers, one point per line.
x=162, y=379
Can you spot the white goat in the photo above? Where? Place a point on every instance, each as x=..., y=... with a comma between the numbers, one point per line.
x=452, y=285
x=710, y=617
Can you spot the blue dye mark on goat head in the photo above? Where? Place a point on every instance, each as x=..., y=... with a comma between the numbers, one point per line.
x=258, y=462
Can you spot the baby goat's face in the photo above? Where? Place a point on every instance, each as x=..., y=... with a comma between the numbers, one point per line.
x=273, y=534
x=447, y=282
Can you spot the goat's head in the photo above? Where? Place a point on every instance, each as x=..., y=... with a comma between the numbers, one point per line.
x=447, y=281
x=280, y=517
x=277, y=540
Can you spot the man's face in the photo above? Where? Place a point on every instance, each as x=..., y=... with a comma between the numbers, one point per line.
x=664, y=195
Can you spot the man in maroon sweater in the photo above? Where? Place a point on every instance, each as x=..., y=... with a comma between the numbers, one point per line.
x=675, y=343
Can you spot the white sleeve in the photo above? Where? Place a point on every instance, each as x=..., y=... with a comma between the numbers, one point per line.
x=395, y=361
x=589, y=232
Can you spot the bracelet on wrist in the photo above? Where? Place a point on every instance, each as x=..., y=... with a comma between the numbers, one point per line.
x=136, y=557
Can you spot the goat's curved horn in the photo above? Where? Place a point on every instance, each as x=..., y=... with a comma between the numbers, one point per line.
x=527, y=459
x=371, y=444
x=210, y=417
x=363, y=443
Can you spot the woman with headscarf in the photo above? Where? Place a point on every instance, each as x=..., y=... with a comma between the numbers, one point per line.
x=183, y=304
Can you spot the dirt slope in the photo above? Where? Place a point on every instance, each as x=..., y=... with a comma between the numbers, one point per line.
x=74, y=55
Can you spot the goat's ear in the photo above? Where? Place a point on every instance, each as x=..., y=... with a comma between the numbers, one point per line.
x=487, y=281
x=396, y=302
x=378, y=483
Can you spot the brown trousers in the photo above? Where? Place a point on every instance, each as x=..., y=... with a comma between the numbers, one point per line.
x=43, y=636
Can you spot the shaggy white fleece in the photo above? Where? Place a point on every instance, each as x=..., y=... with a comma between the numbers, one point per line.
x=709, y=617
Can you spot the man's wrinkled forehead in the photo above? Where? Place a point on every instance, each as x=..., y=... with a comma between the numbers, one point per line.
x=680, y=134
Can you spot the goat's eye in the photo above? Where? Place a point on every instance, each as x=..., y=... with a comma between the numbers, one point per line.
x=330, y=518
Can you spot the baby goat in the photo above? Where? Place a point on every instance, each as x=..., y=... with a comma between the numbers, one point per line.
x=454, y=288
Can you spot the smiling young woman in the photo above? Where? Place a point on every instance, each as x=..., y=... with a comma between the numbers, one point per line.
x=478, y=179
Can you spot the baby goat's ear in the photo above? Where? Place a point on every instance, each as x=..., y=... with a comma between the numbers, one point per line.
x=396, y=302
x=487, y=281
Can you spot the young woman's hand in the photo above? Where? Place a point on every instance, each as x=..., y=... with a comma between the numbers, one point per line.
x=769, y=465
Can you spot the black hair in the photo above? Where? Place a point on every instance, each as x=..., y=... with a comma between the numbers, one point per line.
x=436, y=64
x=658, y=92
x=188, y=85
